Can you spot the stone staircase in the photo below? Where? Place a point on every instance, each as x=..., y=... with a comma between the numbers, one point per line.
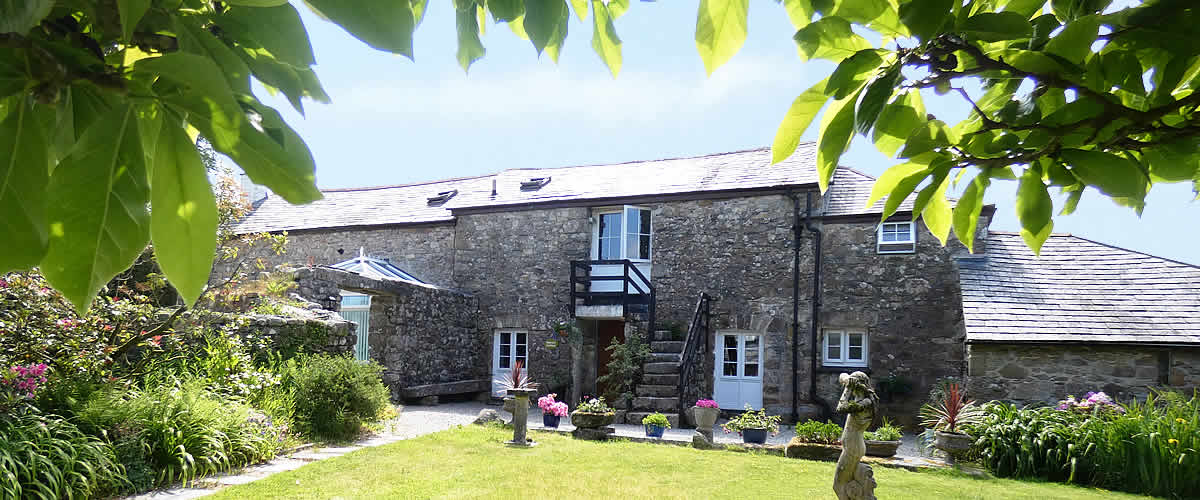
x=659, y=391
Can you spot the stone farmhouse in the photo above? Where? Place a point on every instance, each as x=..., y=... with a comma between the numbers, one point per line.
x=753, y=288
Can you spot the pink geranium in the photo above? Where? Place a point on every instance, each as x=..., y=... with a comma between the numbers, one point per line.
x=706, y=403
x=547, y=402
x=559, y=409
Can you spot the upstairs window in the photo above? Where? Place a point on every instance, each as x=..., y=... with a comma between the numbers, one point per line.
x=624, y=233
x=440, y=198
x=844, y=348
x=896, y=237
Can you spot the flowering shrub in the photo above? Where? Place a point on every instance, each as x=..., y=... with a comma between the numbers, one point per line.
x=594, y=405
x=1092, y=401
x=814, y=431
x=706, y=403
x=551, y=407
x=19, y=384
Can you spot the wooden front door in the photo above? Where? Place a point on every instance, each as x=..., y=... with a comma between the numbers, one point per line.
x=606, y=332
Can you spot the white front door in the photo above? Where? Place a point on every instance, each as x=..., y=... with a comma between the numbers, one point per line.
x=738, y=375
x=509, y=348
x=619, y=234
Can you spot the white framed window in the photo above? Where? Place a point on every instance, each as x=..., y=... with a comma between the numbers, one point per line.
x=623, y=233
x=896, y=237
x=844, y=347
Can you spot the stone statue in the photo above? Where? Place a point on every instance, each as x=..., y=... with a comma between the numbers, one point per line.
x=854, y=480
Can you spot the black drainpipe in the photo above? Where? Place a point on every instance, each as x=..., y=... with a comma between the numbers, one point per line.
x=797, y=231
x=816, y=307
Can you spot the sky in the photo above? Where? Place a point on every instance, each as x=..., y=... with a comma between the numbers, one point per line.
x=396, y=121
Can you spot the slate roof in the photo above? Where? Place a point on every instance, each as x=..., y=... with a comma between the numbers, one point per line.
x=849, y=192
x=1077, y=291
x=407, y=203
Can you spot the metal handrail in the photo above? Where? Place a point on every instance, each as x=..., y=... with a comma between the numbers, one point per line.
x=691, y=342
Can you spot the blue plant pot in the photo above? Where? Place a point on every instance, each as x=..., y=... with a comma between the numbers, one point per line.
x=655, y=431
x=754, y=436
x=550, y=421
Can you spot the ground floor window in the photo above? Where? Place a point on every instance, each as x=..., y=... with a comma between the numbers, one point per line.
x=844, y=347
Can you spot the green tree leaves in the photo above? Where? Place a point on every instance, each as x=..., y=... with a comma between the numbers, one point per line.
x=98, y=222
x=605, y=41
x=798, y=118
x=1034, y=209
x=183, y=223
x=131, y=11
x=19, y=16
x=23, y=177
x=470, y=48
x=386, y=26
x=829, y=38
x=546, y=24
x=720, y=30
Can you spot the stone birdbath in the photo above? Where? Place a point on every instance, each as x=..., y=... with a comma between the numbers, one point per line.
x=520, y=416
x=706, y=418
x=854, y=480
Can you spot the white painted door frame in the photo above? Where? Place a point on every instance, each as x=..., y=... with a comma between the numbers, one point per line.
x=508, y=347
x=738, y=369
x=623, y=242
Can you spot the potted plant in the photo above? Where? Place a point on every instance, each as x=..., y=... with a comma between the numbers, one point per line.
x=883, y=441
x=753, y=426
x=552, y=410
x=706, y=413
x=948, y=416
x=655, y=424
x=592, y=414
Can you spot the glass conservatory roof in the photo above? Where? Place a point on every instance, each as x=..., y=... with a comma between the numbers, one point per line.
x=375, y=268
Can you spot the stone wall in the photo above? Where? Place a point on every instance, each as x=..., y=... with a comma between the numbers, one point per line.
x=425, y=251
x=1048, y=373
x=740, y=252
x=518, y=265
x=330, y=334
x=908, y=304
x=421, y=334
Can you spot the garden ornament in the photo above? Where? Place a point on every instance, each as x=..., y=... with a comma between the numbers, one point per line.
x=852, y=479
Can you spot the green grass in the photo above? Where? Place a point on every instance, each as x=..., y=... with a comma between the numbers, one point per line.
x=472, y=462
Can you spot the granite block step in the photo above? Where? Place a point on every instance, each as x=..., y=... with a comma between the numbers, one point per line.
x=656, y=357
x=662, y=335
x=660, y=368
x=658, y=391
x=635, y=418
x=661, y=379
x=666, y=346
x=656, y=404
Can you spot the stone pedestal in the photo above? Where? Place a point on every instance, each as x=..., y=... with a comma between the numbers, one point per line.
x=520, y=415
x=703, y=441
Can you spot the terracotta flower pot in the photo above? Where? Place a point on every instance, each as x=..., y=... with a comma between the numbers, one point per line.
x=882, y=448
x=706, y=418
x=589, y=420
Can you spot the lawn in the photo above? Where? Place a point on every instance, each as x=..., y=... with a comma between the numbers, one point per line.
x=472, y=462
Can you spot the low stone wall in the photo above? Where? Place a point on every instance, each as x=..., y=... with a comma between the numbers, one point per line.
x=1046, y=374
x=421, y=334
x=330, y=334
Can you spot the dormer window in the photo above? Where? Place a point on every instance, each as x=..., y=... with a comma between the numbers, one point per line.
x=441, y=197
x=534, y=184
x=896, y=237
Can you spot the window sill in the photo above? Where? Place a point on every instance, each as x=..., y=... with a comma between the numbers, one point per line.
x=842, y=368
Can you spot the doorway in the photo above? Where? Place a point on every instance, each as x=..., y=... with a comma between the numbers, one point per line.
x=510, y=347
x=737, y=377
x=606, y=332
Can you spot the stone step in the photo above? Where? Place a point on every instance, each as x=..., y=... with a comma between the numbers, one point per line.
x=657, y=357
x=658, y=391
x=665, y=367
x=661, y=379
x=663, y=335
x=666, y=346
x=656, y=404
x=635, y=418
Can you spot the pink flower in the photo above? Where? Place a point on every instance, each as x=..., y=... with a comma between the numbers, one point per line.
x=547, y=402
x=559, y=409
x=706, y=403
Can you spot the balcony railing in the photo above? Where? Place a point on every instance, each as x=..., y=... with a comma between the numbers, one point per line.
x=635, y=287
